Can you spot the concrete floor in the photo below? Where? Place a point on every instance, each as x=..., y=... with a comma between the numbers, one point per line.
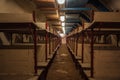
x=63, y=67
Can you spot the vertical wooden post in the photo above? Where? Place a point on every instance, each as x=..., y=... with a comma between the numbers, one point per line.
x=11, y=39
x=92, y=54
x=52, y=43
x=35, y=50
x=46, y=41
x=92, y=15
x=34, y=16
x=35, y=44
x=117, y=40
x=74, y=42
x=77, y=42
x=82, y=51
x=49, y=42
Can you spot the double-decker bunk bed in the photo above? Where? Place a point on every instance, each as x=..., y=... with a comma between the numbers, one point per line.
x=98, y=46
x=104, y=47
x=21, y=44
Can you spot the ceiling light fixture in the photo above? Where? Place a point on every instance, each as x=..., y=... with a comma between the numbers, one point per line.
x=63, y=24
x=61, y=1
x=63, y=28
x=62, y=18
x=62, y=35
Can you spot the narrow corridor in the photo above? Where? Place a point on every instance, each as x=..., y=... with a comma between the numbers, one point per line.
x=63, y=67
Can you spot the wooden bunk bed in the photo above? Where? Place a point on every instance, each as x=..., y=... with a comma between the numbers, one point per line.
x=104, y=23
x=20, y=24
x=23, y=24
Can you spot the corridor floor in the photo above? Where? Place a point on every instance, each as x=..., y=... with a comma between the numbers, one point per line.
x=63, y=67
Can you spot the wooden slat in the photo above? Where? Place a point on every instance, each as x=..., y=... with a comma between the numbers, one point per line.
x=47, y=9
x=17, y=25
x=15, y=18
x=107, y=16
x=45, y=0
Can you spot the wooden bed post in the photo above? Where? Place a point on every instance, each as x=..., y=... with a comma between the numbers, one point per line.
x=92, y=53
x=82, y=51
x=117, y=40
x=35, y=44
x=35, y=51
x=77, y=42
x=53, y=44
x=34, y=16
x=49, y=42
x=46, y=41
x=11, y=41
x=92, y=15
x=73, y=43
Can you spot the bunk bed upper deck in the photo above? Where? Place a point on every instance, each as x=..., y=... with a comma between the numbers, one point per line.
x=106, y=20
x=16, y=21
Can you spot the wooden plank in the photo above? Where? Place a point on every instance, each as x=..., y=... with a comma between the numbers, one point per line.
x=34, y=78
x=42, y=64
x=15, y=17
x=85, y=66
x=47, y=9
x=46, y=1
x=107, y=16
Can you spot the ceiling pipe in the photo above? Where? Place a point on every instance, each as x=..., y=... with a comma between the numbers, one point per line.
x=85, y=17
x=99, y=5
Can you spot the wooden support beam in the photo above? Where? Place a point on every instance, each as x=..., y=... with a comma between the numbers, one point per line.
x=52, y=1
x=49, y=42
x=35, y=50
x=82, y=51
x=92, y=54
x=77, y=37
x=46, y=41
x=47, y=9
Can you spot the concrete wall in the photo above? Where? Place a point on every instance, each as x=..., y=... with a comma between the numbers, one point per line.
x=20, y=61
x=114, y=39
x=17, y=61
x=79, y=50
x=41, y=53
x=86, y=52
x=107, y=64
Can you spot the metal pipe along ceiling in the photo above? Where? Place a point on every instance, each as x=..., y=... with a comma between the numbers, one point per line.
x=73, y=18
x=75, y=3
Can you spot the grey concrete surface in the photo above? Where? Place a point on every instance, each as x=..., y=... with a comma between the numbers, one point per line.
x=63, y=67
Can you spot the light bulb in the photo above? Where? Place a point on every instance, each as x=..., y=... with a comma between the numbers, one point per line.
x=61, y=1
x=63, y=24
x=63, y=28
x=62, y=18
